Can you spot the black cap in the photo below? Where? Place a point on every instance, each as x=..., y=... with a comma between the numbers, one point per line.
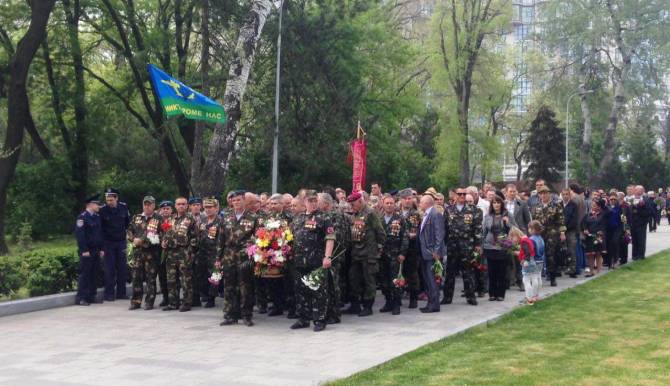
x=94, y=199
x=111, y=192
x=394, y=192
x=236, y=193
x=500, y=194
x=163, y=204
x=195, y=200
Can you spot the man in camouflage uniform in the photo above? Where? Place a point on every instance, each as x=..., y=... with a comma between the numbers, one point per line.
x=208, y=237
x=342, y=232
x=550, y=215
x=314, y=240
x=252, y=205
x=195, y=208
x=393, y=253
x=367, y=239
x=178, y=243
x=144, y=234
x=277, y=288
x=237, y=232
x=463, y=225
x=165, y=211
x=410, y=266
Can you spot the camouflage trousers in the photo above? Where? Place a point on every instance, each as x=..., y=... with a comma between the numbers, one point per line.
x=179, y=260
x=410, y=269
x=201, y=273
x=311, y=304
x=362, y=278
x=389, y=268
x=238, y=290
x=144, y=267
x=458, y=260
x=334, y=292
x=552, y=248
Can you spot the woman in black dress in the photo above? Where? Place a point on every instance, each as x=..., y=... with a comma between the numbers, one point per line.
x=594, y=228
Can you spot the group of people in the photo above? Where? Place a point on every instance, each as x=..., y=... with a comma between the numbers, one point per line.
x=494, y=239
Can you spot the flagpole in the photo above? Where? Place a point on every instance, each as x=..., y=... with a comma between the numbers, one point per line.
x=275, y=145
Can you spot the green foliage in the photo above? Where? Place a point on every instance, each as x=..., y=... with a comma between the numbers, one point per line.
x=24, y=239
x=644, y=163
x=43, y=271
x=546, y=147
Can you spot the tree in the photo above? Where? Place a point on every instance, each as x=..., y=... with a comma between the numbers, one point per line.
x=461, y=29
x=546, y=144
x=18, y=106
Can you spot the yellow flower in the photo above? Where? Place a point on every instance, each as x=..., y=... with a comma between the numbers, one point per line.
x=263, y=243
x=288, y=235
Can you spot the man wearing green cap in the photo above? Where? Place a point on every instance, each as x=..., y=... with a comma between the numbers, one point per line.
x=144, y=235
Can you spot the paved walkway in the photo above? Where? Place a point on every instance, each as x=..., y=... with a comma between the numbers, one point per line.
x=108, y=345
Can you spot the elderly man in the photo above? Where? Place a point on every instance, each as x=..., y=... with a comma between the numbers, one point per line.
x=480, y=203
x=550, y=215
x=367, y=239
x=431, y=241
x=297, y=206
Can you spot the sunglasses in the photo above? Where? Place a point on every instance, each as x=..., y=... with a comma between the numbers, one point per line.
x=461, y=194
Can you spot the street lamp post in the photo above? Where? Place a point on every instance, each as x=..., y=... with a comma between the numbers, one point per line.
x=567, y=127
x=275, y=144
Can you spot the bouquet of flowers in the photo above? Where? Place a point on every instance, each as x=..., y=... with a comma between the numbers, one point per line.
x=508, y=245
x=478, y=262
x=217, y=275
x=438, y=272
x=399, y=280
x=627, y=239
x=271, y=247
x=315, y=279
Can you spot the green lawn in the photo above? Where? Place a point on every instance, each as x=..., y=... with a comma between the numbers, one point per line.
x=612, y=330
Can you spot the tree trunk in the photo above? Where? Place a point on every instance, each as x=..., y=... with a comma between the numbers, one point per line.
x=197, y=156
x=18, y=108
x=222, y=144
x=586, y=136
x=78, y=154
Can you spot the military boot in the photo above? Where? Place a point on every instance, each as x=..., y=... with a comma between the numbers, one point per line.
x=395, y=309
x=353, y=309
x=367, y=308
x=413, y=298
x=387, y=305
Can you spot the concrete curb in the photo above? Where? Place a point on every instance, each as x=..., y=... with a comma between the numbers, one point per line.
x=46, y=302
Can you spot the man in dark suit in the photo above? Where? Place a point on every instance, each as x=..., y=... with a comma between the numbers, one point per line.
x=520, y=216
x=639, y=219
x=431, y=241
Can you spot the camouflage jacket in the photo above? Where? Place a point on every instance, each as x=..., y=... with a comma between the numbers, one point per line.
x=235, y=236
x=367, y=235
x=463, y=226
x=551, y=218
x=413, y=219
x=397, y=236
x=208, y=237
x=181, y=232
x=342, y=226
x=143, y=227
x=310, y=232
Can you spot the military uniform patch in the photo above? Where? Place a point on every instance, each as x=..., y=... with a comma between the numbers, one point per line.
x=80, y=223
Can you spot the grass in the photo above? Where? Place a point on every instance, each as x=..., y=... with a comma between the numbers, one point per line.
x=614, y=330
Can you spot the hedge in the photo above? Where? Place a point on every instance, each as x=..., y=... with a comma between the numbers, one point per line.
x=42, y=271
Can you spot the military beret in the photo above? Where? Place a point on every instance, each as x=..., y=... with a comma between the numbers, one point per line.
x=149, y=199
x=236, y=193
x=405, y=193
x=543, y=189
x=210, y=201
x=111, y=192
x=354, y=197
x=195, y=200
x=165, y=203
x=94, y=199
x=311, y=194
x=393, y=192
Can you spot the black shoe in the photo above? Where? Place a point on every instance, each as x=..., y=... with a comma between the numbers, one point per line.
x=480, y=294
x=134, y=306
x=164, y=302
x=367, y=311
x=148, y=307
x=263, y=310
x=492, y=298
x=82, y=303
x=445, y=301
x=426, y=310
x=169, y=308
x=573, y=275
x=333, y=320
x=248, y=322
x=553, y=282
x=276, y=312
x=300, y=324
x=228, y=322
x=196, y=304
x=472, y=302
x=109, y=298
x=500, y=299
x=395, y=310
x=95, y=301
x=319, y=326
x=184, y=308
x=210, y=304
x=354, y=309
x=291, y=315
x=387, y=307
x=413, y=303
x=559, y=274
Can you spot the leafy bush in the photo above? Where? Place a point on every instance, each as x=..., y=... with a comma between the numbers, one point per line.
x=11, y=276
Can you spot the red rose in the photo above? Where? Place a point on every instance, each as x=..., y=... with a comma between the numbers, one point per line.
x=165, y=226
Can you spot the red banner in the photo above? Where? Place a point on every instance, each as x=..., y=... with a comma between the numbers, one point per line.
x=358, y=150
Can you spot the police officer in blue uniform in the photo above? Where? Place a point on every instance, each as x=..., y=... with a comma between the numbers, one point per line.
x=115, y=220
x=88, y=232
